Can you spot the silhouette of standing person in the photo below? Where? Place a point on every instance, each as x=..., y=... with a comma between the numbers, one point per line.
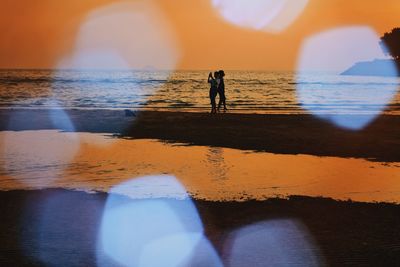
x=221, y=90
x=213, y=90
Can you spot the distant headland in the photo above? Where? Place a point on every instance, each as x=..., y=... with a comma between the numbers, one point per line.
x=390, y=44
x=377, y=67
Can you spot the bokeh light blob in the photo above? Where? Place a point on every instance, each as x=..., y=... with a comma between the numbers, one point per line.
x=61, y=120
x=123, y=35
x=348, y=101
x=279, y=242
x=59, y=226
x=158, y=231
x=339, y=48
x=268, y=15
x=41, y=159
x=116, y=48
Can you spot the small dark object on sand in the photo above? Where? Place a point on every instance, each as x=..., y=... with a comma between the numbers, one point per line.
x=129, y=113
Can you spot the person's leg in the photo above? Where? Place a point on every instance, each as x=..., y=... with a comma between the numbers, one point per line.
x=223, y=100
x=210, y=95
x=212, y=101
x=213, y=105
x=219, y=101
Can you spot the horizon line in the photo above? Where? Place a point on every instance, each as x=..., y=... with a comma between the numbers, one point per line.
x=149, y=70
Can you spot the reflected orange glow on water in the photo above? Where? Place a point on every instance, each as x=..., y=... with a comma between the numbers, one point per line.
x=212, y=173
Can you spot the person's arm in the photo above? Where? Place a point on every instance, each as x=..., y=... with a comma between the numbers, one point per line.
x=210, y=77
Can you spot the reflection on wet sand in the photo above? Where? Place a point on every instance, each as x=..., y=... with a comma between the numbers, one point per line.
x=216, y=163
x=99, y=162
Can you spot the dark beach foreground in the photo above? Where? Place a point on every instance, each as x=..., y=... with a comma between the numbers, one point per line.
x=345, y=233
x=282, y=134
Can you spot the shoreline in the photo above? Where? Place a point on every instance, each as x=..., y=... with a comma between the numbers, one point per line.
x=205, y=110
x=287, y=198
x=279, y=134
x=195, y=198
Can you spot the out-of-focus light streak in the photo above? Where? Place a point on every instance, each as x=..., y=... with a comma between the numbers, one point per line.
x=148, y=231
x=332, y=52
x=272, y=16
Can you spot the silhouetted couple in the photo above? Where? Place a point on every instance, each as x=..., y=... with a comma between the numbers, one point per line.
x=217, y=87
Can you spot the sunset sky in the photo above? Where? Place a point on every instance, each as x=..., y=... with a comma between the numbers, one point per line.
x=40, y=33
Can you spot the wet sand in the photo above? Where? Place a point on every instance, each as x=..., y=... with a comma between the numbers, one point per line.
x=89, y=161
x=281, y=134
x=344, y=233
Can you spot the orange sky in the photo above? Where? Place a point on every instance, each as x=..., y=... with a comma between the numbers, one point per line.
x=37, y=33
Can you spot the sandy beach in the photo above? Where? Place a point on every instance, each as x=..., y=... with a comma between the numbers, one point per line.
x=58, y=226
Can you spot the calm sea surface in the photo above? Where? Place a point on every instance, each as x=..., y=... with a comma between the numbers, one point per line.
x=247, y=91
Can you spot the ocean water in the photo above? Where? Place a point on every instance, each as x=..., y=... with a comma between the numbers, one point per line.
x=246, y=91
